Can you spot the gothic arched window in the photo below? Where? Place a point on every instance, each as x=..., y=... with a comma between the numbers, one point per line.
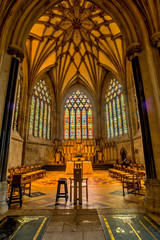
x=116, y=119
x=78, y=117
x=17, y=106
x=40, y=111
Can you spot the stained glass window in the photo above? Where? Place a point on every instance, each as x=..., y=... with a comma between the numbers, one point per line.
x=84, y=124
x=40, y=111
x=116, y=120
x=66, y=123
x=78, y=124
x=78, y=117
x=16, y=114
x=90, y=124
x=72, y=123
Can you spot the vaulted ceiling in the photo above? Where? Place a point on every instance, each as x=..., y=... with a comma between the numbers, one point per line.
x=76, y=39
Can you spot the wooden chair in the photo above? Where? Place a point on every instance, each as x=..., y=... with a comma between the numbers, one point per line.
x=83, y=179
x=131, y=182
x=16, y=186
x=28, y=169
x=26, y=184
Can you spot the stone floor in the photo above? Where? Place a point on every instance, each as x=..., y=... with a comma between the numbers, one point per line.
x=69, y=221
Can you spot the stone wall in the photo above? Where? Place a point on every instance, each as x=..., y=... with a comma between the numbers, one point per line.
x=39, y=151
x=15, y=150
x=138, y=151
x=127, y=146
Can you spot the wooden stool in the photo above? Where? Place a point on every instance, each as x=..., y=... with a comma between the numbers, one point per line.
x=62, y=181
x=16, y=184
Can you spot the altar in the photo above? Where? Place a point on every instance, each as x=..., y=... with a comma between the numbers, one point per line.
x=87, y=167
x=78, y=159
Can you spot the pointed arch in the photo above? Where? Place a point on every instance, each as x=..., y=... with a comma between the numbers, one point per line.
x=40, y=111
x=116, y=119
x=78, y=117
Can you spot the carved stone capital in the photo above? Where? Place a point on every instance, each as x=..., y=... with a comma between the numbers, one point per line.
x=132, y=49
x=156, y=39
x=152, y=198
x=16, y=51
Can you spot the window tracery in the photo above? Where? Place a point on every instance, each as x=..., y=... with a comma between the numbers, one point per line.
x=40, y=111
x=116, y=120
x=78, y=117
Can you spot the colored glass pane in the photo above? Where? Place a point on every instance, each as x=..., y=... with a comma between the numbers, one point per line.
x=66, y=124
x=119, y=116
x=107, y=120
x=115, y=109
x=49, y=122
x=124, y=114
x=111, y=119
x=31, y=126
x=90, y=124
x=115, y=118
x=72, y=123
x=41, y=120
x=36, y=127
x=78, y=124
x=45, y=121
x=84, y=124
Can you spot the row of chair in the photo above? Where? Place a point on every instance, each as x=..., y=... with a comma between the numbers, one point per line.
x=24, y=169
x=25, y=179
x=130, y=177
x=131, y=165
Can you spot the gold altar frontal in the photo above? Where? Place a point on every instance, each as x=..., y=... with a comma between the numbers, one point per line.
x=87, y=167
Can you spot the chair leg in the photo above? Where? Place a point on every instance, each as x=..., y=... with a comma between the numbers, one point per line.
x=10, y=199
x=70, y=191
x=30, y=190
x=123, y=188
x=66, y=191
x=20, y=192
x=58, y=191
x=87, y=192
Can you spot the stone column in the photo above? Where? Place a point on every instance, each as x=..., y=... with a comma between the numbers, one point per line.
x=17, y=55
x=152, y=198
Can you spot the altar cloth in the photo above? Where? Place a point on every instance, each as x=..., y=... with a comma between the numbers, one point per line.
x=87, y=167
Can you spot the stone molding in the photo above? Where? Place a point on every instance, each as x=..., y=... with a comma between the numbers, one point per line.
x=152, y=198
x=132, y=49
x=16, y=51
x=156, y=39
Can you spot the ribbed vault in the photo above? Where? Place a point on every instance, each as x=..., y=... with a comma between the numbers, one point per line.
x=77, y=38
